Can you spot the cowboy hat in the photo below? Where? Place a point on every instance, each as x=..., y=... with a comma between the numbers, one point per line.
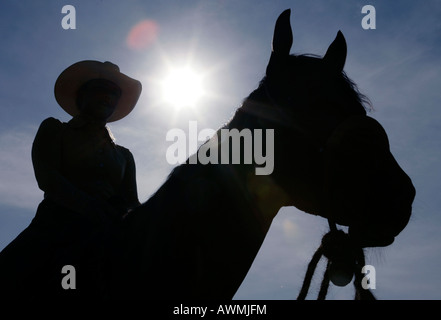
x=72, y=78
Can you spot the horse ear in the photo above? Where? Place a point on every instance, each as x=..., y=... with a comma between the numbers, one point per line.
x=335, y=56
x=282, y=39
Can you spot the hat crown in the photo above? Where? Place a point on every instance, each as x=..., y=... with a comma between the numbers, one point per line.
x=111, y=66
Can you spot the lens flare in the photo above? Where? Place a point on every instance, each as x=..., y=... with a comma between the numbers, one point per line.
x=142, y=35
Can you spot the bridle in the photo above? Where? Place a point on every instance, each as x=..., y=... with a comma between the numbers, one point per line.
x=345, y=258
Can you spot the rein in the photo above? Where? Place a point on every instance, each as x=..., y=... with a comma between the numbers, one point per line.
x=345, y=261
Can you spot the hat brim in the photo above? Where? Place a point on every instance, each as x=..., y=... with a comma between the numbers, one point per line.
x=72, y=78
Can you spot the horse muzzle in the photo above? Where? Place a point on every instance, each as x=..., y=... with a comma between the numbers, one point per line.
x=386, y=224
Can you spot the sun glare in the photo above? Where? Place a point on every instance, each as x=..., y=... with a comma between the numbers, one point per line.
x=182, y=87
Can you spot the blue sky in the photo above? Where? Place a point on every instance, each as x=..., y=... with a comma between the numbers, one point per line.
x=397, y=66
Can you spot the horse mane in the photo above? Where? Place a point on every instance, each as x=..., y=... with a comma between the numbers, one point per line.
x=343, y=97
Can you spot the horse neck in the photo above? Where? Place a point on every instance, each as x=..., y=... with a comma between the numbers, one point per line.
x=226, y=190
x=264, y=197
x=212, y=218
x=208, y=216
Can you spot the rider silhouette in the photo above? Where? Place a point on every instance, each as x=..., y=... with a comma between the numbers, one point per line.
x=89, y=182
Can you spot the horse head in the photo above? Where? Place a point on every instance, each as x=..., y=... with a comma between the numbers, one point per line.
x=330, y=157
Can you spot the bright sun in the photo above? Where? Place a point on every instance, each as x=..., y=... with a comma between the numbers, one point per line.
x=182, y=87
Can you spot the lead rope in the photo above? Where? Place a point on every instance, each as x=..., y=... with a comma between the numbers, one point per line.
x=345, y=262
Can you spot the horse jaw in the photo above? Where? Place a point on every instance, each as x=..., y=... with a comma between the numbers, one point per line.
x=268, y=196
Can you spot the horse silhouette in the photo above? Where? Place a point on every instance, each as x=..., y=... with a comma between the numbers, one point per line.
x=197, y=236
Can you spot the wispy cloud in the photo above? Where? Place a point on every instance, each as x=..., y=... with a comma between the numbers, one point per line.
x=18, y=187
